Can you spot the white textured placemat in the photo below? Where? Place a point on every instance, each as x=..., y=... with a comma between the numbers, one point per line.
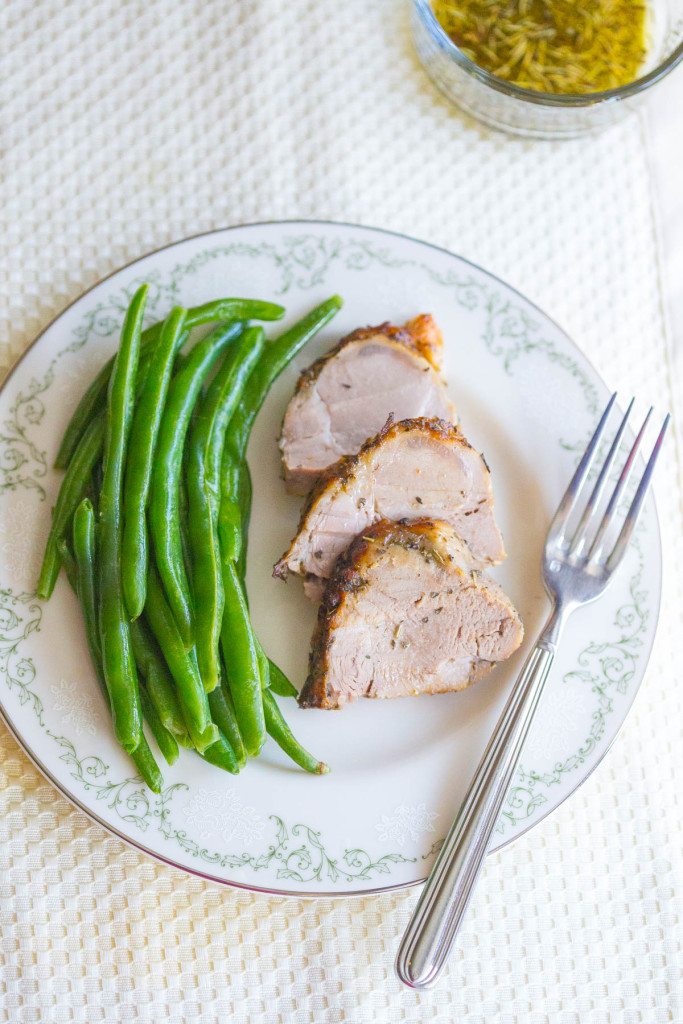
x=126, y=125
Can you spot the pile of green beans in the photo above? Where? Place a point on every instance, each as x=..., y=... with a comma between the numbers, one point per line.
x=150, y=525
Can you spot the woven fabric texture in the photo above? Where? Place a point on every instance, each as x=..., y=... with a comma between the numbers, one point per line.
x=128, y=125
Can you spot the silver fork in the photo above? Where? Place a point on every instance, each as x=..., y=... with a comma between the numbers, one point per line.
x=576, y=569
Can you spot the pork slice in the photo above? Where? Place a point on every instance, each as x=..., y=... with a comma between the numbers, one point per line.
x=348, y=395
x=410, y=470
x=405, y=614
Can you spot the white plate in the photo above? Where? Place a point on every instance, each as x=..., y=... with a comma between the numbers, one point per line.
x=527, y=397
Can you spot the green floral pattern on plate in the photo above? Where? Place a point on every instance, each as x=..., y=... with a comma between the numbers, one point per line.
x=607, y=668
x=304, y=261
x=297, y=851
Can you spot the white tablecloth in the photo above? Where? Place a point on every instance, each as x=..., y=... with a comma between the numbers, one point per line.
x=127, y=125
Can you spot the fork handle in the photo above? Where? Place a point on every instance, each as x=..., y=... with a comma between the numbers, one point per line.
x=437, y=916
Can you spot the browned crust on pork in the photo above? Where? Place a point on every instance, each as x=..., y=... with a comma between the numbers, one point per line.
x=348, y=578
x=427, y=338
x=419, y=335
x=341, y=471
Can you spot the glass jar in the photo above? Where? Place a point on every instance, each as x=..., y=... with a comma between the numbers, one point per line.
x=542, y=115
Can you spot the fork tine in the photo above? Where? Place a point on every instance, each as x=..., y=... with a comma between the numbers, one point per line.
x=607, y=519
x=556, y=531
x=637, y=503
x=580, y=540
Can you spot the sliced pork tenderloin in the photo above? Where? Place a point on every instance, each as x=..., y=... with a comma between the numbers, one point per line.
x=404, y=614
x=348, y=395
x=412, y=469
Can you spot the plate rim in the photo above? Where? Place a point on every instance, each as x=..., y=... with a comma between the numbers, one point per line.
x=317, y=894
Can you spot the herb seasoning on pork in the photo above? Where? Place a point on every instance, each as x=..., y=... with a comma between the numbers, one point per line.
x=406, y=614
x=348, y=395
x=420, y=468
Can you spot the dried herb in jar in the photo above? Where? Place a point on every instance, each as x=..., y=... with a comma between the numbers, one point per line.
x=556, y=46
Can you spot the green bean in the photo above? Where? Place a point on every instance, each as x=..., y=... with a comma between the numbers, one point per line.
x=184, y=524
x=243, y=704
x=229, y=518
x=272, y=677
x=179, y=363
x=165, y=740
x=96, y=480
x=221, y=754
x=223, y=714
x=283, y=736
x=83, y=583
x=94, y=398
x=159, y=687
x=117, y=655
x=68, y=564
x=86, y=458
x=210, y=734
x=143, y=438
x=72, y=489
x=165, y=700
x=222, y=400
x=234, y=309
x=244, y=498
x=143, y=758
x=203, y=465
x=84, y=554
x=164, y=519
x=202, y=740
x=279, y=683
x=190, y=691
x=241, y=659
x=262, y=660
